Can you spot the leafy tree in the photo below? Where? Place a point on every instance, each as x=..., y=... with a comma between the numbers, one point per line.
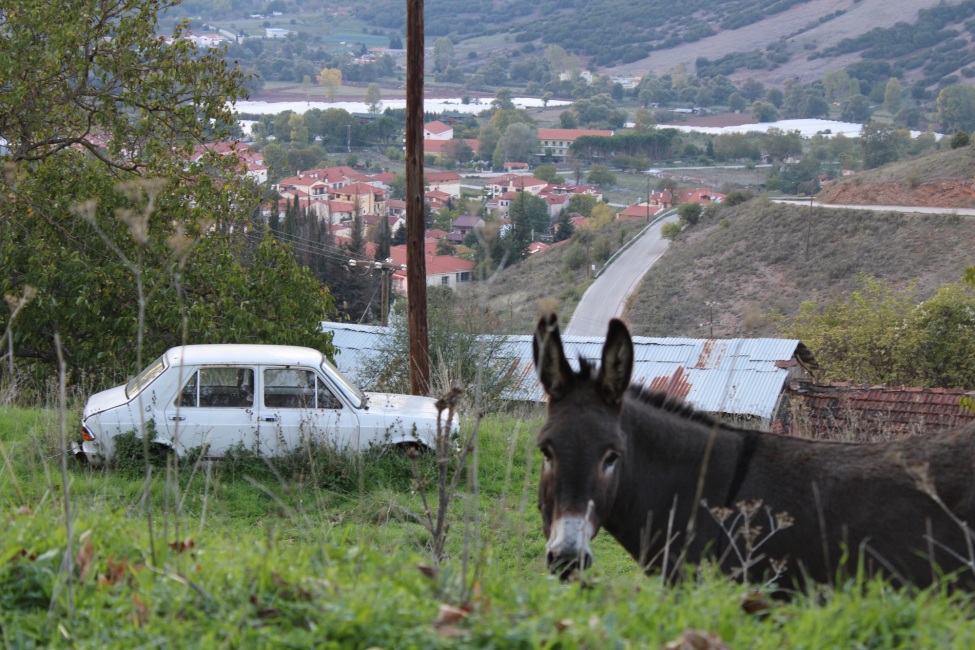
x=689, y=213
x=567, y=120
x=781, y=144
x=502, y=100
x=856, y=108
x=487, y=141
x=374, y=97
x=548, y=173
x=97, y=77
x=443, y=54
x=564, y=227
x=130, y=247
x=331, y=80
x=600, y=175
x=859, y=337
x=880, y=335
x=518, y=143
x=882, y=144
x=765, y=112
x=737, y=102
x=892, y=95
x=644, y=121
x=519, y=236
x=956, y=108
x=582, y=204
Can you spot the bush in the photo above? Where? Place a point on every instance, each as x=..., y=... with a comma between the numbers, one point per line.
x=737, y=197
x=960, y=139
x=574, y=258
x=690, y=213
x=670, y=230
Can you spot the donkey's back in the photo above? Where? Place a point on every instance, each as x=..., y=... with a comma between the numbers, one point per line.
x=903, y=507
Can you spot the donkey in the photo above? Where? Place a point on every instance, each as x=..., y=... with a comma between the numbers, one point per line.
x=674, y=486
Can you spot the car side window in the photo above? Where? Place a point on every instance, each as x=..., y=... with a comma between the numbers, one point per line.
x=326, y=398
x=296, y=388
x=226, y=387
x=187, y=396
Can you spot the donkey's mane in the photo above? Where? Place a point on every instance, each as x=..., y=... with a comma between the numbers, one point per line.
x=656, y=399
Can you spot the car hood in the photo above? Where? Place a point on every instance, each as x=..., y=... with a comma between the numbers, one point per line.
x=105, y=400
x=403, y=406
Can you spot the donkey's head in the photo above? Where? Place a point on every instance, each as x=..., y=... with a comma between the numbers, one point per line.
x=581, y=441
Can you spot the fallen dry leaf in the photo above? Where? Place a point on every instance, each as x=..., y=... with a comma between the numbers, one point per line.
x=448, y=614
x=697, y=640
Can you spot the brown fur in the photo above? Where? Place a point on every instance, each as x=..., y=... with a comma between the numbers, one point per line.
x=900, y=507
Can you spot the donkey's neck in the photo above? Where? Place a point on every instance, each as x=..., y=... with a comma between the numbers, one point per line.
x=668, y=454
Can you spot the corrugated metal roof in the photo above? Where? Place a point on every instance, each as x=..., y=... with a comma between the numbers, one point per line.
x=731, y=376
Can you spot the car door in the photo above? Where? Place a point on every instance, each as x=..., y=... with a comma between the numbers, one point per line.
x=297, y=405
x=214, y=408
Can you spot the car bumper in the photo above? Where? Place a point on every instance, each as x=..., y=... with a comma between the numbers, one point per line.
x=88, y=452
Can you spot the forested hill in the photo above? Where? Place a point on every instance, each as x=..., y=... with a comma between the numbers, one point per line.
x=775, y=39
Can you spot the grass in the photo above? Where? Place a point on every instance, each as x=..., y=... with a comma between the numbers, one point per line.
x=752, y=260
x=261, y=560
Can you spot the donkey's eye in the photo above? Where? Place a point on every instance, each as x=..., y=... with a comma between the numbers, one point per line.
x=609, y=461
x=547, y=454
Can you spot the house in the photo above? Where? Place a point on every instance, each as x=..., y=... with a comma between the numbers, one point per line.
x=513, y=183
x=845, y=411
x=331, y=212
x=464, y=225
x=673, y=198
x=436, y=199
x=439, y=148
x=252, y=162
x=441, y=270
x=512, y=167
x=276, y=32
x=448, y=182
x=437, y=130
x=342, y=183
x=557, y=142
x=538, y=247
x=639, y=211
x=369, y=199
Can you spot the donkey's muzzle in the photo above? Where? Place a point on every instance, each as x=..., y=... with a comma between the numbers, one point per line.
x=567, y=551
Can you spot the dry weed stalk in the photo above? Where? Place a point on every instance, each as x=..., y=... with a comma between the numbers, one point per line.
x=746, y=537
x=923, y=481
x=445, y=455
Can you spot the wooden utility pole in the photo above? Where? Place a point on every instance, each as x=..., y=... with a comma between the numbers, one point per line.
x=416, y=265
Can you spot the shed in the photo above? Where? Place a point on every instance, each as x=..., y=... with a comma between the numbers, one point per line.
x=739, y=380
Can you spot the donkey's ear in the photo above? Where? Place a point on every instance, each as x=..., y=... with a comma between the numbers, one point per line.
x=617, y=369
x=554, y=371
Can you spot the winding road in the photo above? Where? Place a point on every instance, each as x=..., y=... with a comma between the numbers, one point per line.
x=606, y=296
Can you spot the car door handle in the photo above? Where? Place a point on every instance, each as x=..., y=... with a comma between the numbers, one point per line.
x=269, y=418
x=176, y=418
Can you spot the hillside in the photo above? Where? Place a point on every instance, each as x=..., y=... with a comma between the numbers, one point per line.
x=761, y=257
x=945, y=179
x=773, y=41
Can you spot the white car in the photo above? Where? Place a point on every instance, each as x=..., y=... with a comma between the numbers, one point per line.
x=268, y=398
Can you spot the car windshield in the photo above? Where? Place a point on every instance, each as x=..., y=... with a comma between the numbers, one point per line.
x=144, y=378
x=345, y=385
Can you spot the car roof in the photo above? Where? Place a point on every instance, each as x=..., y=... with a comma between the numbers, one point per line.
x=236, y=353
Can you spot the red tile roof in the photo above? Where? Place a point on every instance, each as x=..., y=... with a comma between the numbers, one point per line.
x=437, y=127
x=852, y=411
x=570, y=134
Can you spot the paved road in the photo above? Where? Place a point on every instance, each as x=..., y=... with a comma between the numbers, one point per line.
x=883, y=208
x=606, y=296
